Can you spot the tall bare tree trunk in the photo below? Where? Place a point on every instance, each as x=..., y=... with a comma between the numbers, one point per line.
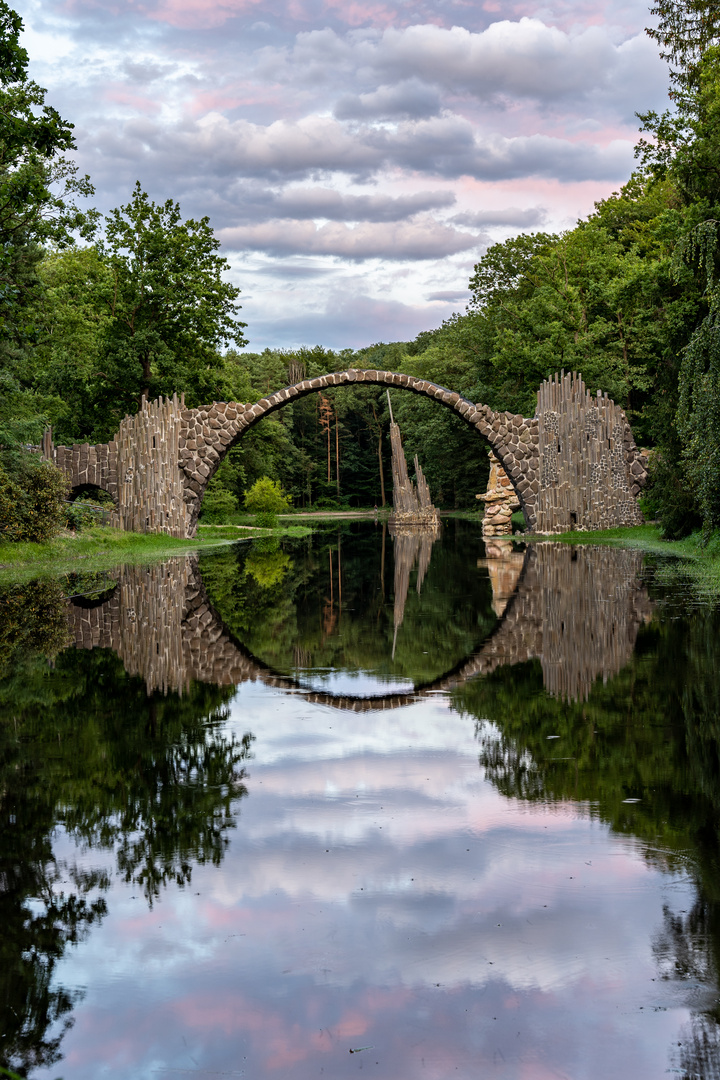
x=337, y=454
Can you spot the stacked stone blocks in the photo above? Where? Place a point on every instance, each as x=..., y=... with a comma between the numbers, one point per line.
x=161, y=460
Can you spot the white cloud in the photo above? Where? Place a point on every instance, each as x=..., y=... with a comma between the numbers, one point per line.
x=426, y=239
x=411, y=98
x=288, y=130
x=315, y=146
x=523, y=59
x=512, y=215
x=332, y=205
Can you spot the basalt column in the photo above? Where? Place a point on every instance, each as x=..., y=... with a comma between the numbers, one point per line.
x=411, y=506
x=500, y=501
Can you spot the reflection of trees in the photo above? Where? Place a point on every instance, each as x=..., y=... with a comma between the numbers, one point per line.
x=32, y=616
x=267, y=562
x=653, y=734
x=295, y=619
x=154, y=780
x=697, y=1057
x=686, y=948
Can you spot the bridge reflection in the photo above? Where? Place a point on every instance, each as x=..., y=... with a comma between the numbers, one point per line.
x=575, y=609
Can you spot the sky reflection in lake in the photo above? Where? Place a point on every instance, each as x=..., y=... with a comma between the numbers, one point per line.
x=513, y=876
x=378, y=892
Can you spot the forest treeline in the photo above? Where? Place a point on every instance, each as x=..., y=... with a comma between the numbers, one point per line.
x=97, y=313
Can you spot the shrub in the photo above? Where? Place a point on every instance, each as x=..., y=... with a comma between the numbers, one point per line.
x=33, y=493
x=266, y=500
x=82, y=512
x=218, y=506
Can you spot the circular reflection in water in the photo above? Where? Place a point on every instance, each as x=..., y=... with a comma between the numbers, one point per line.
x=355, y=610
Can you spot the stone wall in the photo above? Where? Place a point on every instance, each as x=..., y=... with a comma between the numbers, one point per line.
x=139, y=468
x=500, y=501
x=161, y=460
x=591, y=472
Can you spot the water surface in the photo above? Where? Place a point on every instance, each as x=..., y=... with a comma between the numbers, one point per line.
x=451, y=809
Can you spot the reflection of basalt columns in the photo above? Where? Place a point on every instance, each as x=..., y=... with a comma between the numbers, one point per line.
x=592, y=606
x=576, y=609
x=504, y=565
x=410, y=506
x=410, y=545
x=143, y=623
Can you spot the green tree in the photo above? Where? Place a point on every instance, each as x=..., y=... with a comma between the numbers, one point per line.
x=38, y=190
x=266, y=500
x=685, y=148
x=171, y=311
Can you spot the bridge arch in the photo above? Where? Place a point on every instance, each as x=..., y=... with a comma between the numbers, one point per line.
x=209, y=432
x=573, y=465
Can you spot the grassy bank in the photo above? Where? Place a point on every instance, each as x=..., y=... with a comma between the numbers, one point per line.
x=102, y=548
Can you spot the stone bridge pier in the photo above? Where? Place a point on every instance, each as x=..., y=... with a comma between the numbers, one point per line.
x=573, y=465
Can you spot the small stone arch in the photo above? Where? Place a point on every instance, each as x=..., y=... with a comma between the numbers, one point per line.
x=88, y=490
x=209, y=432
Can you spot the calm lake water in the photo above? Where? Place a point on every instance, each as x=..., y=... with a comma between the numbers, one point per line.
x=396, y=806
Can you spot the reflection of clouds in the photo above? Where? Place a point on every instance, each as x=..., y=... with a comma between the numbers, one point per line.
x=526, y=956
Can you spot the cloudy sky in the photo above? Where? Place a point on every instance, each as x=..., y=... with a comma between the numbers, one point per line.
x=355, y=157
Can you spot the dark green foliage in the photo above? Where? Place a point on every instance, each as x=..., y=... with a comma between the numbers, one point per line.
x=699, y=418
x=219, y=505
x=33, y=493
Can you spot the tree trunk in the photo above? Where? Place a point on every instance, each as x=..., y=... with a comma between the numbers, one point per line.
x=337, y=455
x=147, y=376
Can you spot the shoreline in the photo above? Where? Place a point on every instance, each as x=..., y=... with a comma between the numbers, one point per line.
x=103, y=547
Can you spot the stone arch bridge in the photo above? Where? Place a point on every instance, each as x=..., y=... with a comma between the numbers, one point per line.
x=574, y=464
x=575, y=609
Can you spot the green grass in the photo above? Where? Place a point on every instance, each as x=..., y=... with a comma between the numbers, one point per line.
x=243, y=532
x=93, y=548
x=102, y=548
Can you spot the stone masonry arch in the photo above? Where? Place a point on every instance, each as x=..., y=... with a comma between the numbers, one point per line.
x=573, y=465
x=209, y=432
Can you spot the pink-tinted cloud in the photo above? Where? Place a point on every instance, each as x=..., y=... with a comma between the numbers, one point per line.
x=397, y=241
